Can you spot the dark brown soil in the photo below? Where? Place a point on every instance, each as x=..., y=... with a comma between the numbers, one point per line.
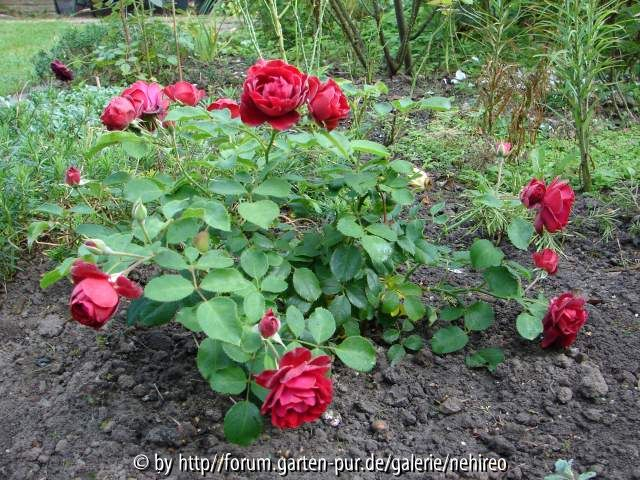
x=81, y=405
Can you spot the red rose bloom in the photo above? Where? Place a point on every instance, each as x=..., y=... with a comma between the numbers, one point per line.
x=271, y=93
x=327, y=103
x=563, y=321
x=227, y=103
x=72, y=176
x=299, y=390
x=118, y=114
x=269, y=324
x=61, y=71
x=555, y=207
x=147, y=98
x=533, y=193
x=546, y=259
x=184, y=92
x=96, y=295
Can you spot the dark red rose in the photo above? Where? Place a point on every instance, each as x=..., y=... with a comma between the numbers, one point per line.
x=96, y=295
x=532, y=194
x=72, y=176
x=327, y=103
x=227, y=103
x=61, y=71
x=148, y=99
x=563, y=321
x=299, y=390
x=555, y=207
x=184, y=92
x=118, y=114
x=546, y=259
x=269, y=324
x=271, y=93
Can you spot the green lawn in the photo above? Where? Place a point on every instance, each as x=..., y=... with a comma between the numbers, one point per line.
x=20, y=40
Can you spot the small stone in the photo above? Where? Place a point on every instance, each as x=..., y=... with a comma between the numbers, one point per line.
x=573, y=352
x=62, y=446
x=562, y=361
x=564, y=395
x=498, y=444
x=139, y=390
x=215, y=414
x=126, y=381
x=162, y=435
x=51, y=325
x=332, y=418
x=592, y=414
x=592, y=383
x=408, y=418
x=450, y=406
x=391, y=376
x=378, y=425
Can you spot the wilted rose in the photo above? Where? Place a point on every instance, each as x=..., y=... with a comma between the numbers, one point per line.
x=533, y=193
x=547, y=260
x=148, y=99
x=61, y=71
x=563, y=321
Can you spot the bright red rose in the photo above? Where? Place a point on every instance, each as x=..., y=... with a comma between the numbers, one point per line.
x=299, y=390
x=61, y=71
x=271, y=93
x=546, y=259
x=555, y=207
x=148, y=99
x=184, y=92
x=227, y=103
x=563, y=321
x=269, y=324
x=96, y=295
x=532, y=194
x=327, y=103
x=72, y=176
x=118, y=114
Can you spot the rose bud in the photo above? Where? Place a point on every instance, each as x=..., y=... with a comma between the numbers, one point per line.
x=72, y=177
x=547, y=260
x=201, y=241
x=61, y=71
x=227, y=103
x=327, y=103
x=118, y=114
x=139, y=211
x=272, y=92
x=96, y=295
x=563, y=321
x=269, y=324
x=555, y=207
x=148, y=99
x=503, y=149
x=299, y=390
x=184, y=92
x=532, y=194
x=97, y=247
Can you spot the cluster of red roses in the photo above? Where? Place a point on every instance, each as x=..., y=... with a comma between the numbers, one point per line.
x=273, y=92
x=566, y=314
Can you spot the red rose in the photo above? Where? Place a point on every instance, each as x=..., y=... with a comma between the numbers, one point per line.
x=61, y=71
x=546, y=259
x=533, y=193
x=118, y=114
x=227, y=103
x=72, y=176
x=271, y=93
x=147, y=98
x=327, y=103
x=184, y=92
x=563, y=321
x=269, y=324
x=299, y=390
x=96, y=295
x=555, y=207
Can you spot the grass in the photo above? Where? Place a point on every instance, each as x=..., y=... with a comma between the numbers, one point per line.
x=21, y=39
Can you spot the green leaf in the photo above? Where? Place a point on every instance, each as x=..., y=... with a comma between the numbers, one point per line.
x=224, y=280
x=187, y=317
x=377, y=248
x=295, y=321
x=402, y=196
x=149, y=313
x=273, y=284
x=142, y=188
x=211, y=358
x=183, y=230
x=346, y=262
x=357, y=353
x=520, y=232
x=273, y=187
x=487, y=357
x=218, y=318
x=57, y=273
x=171, y=260
x=384, y=231
x=373, y=148
x=449, y=314
x=51, y=209
x=243, y=423
x=340, y=307
x=254, y=262
x=390, y=335
x=134, y=145
x=502, y=283
x=401, y=166
x=168, y=288
x=438, y=104
x=528, y=326
x=321, y=325
x=478, y=316
x=36, y=229
x=306, y=284
x=227, y=187
x=214, y=259
x=216, y=215
x=413, y=342
x=484, y=254
x=261, y=213
x=396, y=353
x=229, y=381
x=414, y=308
x=254, y=306
x=449, y=339
x=348, y=226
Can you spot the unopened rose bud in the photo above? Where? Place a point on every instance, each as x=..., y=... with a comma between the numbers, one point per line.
x=72, y=176
x=503, y=149
x=269, y=324
x=97, y=246
x=201, y=241
x=139, y=211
